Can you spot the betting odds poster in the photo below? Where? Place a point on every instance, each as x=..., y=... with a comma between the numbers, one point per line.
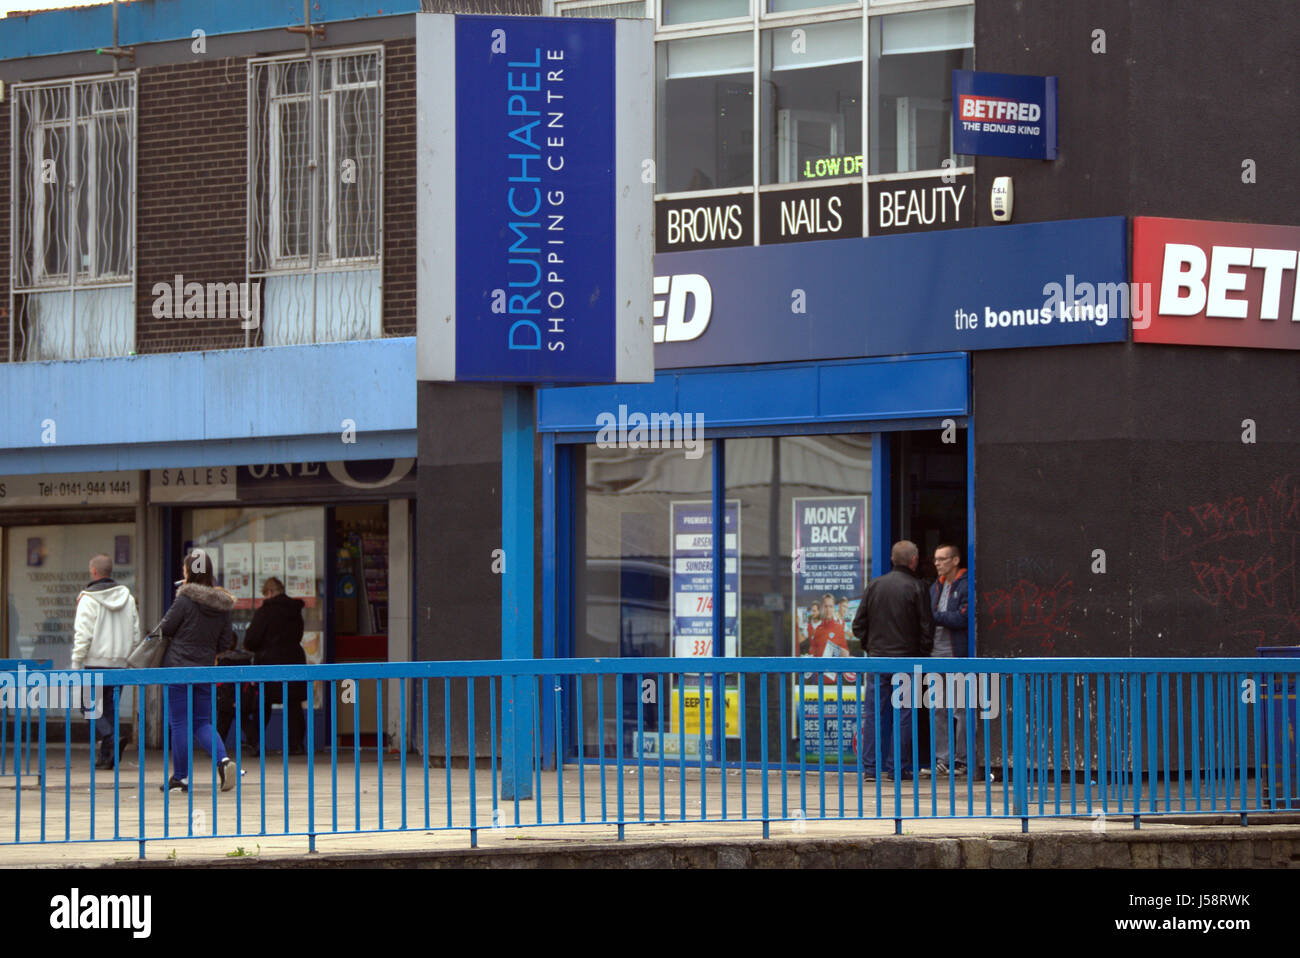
x=692, y=597
x=692, y=578
x=829, y=568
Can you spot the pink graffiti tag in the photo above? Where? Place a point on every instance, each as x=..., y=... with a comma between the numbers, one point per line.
x=1030, y=613
x=1242, y=554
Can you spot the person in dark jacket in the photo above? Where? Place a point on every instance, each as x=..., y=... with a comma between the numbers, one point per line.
x=199, y=626
x=275, y=638
x=949, y=599
x=893, y=620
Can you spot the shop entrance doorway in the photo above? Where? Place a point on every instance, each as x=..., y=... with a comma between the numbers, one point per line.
x=929, y=492
x=359, y=607
x=929, y=495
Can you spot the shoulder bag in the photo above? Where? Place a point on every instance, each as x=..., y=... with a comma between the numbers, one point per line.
x=149, y=651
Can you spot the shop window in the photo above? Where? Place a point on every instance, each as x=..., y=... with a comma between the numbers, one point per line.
x=47, y=569
x=812, y=101
x=706, y=121
x=316, y=194
x=912, y=59
x=786, y=6
x=73, y=209
x=797, y=516
x=249, y=545
x=623, y=605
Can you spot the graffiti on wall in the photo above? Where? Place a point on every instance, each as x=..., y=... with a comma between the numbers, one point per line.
x=1032, y=614
x=1239, y=554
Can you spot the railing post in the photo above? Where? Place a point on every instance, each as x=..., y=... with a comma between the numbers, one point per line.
x=1019, y=750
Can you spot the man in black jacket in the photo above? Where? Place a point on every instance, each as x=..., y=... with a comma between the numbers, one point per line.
x=275, y=638
x=893, y=620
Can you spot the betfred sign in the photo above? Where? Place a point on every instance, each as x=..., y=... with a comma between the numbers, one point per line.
x=1218, y=284
x=1004, y=114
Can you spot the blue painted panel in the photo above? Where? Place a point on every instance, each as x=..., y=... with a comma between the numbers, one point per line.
x=933, y=386
x=573, y=408
x=69, y=459
x=151, y=21
x=210, y=408
x=949, y=290
x=916, y=387
x=760, y=395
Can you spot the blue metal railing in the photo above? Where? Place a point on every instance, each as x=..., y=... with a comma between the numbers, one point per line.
x=1044, y=738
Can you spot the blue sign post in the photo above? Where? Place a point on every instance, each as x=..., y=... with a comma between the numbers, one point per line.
x=536, y=242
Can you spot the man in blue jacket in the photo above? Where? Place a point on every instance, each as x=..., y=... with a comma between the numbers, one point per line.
x=949, y=600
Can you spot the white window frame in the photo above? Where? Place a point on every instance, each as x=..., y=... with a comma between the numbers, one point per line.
x=271, y=202
x=76, y=126
x=33, y=279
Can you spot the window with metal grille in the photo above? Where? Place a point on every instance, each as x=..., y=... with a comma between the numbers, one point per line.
x=316, y=189
x=73, y=214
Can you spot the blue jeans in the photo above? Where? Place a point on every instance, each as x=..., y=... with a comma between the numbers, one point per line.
x=204, y=734
x=104, y=724
x=884, y=715
x=943, y=649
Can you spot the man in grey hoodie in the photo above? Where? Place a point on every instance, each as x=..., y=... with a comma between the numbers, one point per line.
x=107, y=627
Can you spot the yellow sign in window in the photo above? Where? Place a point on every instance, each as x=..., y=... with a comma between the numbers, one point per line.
x=690, y=710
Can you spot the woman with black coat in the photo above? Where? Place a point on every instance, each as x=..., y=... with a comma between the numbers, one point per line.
x=199, y=626
x=275, y=638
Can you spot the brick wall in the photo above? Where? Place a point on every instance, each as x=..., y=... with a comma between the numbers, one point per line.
x=399, y=188
x=192, y=137
x=192, y=180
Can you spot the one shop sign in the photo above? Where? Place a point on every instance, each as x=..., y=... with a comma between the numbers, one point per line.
x=1218, y=284
x=1003, y=114
x=534, y=206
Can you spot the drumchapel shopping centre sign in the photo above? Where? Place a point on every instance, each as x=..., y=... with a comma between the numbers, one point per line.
x=534, y=219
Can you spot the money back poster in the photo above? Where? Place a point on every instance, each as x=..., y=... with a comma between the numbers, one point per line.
x=829, y=563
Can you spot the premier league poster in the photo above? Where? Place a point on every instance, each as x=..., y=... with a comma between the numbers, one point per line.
x=830, y=564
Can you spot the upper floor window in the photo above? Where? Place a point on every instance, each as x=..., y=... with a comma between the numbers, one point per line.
x=912, y=59
x=316, y=179
x=812, y=101
x=72, y=262
x=706, y=112
x=769, y=93
x=74, y=149
x=633, y=9
x=316, y=189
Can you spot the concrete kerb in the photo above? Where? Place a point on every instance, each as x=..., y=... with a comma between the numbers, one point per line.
x=1258, y=847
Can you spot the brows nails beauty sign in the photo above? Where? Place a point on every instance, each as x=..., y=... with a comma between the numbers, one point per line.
x=535, y=229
